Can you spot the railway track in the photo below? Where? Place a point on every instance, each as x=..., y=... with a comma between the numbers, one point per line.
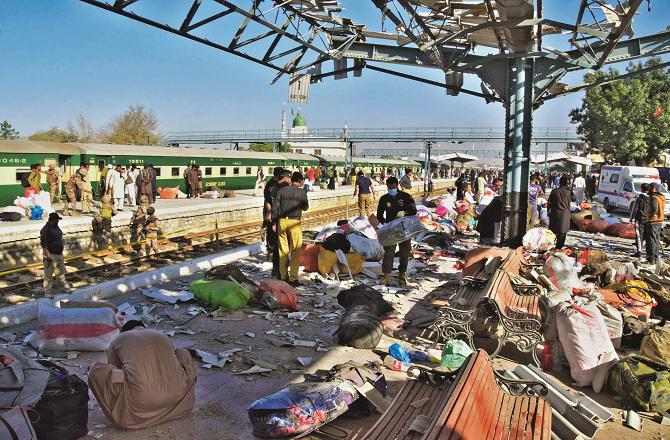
x=25, y=284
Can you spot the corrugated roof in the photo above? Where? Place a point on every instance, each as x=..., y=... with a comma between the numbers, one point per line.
x=38, y=147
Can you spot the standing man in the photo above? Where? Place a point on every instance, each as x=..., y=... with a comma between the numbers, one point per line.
x=392, y=205
x=559, y=210
x=279, y=177
x=638, y=217
x=103, y=179
x=192, y=175
x=198, y=174
x=117, y=187
x=311, y=175
x=534, y=191
x=460, y=187
x=51, y=240
x=580, y=187
x=366, y=194
x=332, y=178
x=187, y=183
x=35, y=179
x=53, y=179
x=108, y=179
x=154, y=184
x=85, y=188
x=480, y=184
x=406, y=180
x=145, y=183
x=655, y=217
x=287, y=207
x=131, y=186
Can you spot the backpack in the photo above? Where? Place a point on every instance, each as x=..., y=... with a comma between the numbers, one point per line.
x=656, y=345
x=337, y=241
x=22, y=380
x=24, y=181
x=642, y=383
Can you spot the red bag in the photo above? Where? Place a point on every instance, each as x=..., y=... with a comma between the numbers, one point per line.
x=277, y=294
x=621, y=230
x=634, y=303
x=309, y=259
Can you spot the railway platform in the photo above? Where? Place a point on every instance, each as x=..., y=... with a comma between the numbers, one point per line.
x=19, y=241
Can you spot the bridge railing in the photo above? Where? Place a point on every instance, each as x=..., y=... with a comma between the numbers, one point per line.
x=540, y=134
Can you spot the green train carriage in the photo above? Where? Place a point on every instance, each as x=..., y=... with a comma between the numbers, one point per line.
x=16, y=156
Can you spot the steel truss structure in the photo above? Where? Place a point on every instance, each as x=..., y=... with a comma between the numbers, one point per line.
x=516, y=66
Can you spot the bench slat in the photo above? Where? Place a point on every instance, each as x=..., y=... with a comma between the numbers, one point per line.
x=459, y=426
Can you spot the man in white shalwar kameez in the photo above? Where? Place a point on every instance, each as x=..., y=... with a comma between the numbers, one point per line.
x=117, y=187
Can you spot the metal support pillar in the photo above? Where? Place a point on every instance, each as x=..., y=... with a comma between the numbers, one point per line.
x=546, y=153
x=427, y=186
x=349, y=154
x=518, y=126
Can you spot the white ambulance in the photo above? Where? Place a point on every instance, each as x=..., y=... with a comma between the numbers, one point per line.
x=620, y=185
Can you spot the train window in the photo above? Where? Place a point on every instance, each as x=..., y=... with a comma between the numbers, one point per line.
x=158, y=171
x=175, y=171
x=222, y=171
x=297, y=150
x=317, y=152
x=248, y=170
x=208, y=171
x=236, y=171
x=21, y=173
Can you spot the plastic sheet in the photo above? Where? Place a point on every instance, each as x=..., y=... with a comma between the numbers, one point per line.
x=300, y=408
x=399, y=230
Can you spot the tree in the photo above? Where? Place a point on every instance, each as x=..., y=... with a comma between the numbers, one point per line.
x=54, y=134
x=136, y=126
x=82, y=129
x=621, y=119
x=7, y=131
x=269, y=147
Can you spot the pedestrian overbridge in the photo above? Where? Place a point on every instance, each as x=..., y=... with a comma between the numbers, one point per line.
x=414, y=134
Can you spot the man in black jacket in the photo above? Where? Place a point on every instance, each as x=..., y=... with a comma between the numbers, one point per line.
x=559, y=210
x=393, y=205
x=280, y=178
x=638, y=217
x=51, y=240
x=287, y=208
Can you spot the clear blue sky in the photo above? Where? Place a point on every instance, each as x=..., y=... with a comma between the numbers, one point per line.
x=63, y=57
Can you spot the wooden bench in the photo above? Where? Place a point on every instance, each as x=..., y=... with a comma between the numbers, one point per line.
x=479, y=404
x=516, y=305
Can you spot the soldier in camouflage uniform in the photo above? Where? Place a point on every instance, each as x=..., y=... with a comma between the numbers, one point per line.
x=86, y=189
x=71, y=192
x=151, y=231
x=53, y=179
x=102, y=222
x=137, y=224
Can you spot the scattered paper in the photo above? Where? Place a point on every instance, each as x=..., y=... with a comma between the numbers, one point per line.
x=303, y=343
x=211, y=359
x=300, y=316
x=72, y=355
x=168, y=296
x=250, y=334
x=304, y=361
x=254, y=370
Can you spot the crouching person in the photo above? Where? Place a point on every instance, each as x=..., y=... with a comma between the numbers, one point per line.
x=145, y=382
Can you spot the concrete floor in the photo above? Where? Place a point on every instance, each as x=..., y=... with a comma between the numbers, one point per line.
x=223, y=397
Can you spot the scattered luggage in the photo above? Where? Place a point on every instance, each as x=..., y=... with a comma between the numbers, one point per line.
x=10, y=216
x=585, y=341
x=656, y=345
x=399, y=230
x=364, y=227
x=309, y=258
x=220, y=293
x=539, y=240
x=368, y=247
x=22, y=380
x=63, y=408
x=299, y=409
x=75, y=329
x=15, y=424
x=359, y=328
x=277, y=294
x=337, y=241
x=642, y=383
x=329, y=263
x=366, y=296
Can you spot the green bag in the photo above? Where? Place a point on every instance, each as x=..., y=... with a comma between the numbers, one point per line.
x=220, y=293
x=642, y=383
x=455, y=353
x=656, y=345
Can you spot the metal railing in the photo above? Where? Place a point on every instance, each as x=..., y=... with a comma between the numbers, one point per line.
x=416, y=134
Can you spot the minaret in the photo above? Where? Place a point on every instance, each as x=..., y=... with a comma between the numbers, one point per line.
x=283, y=118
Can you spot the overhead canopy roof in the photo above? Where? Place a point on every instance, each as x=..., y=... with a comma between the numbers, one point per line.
x=562, y=157
x=457, y=157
